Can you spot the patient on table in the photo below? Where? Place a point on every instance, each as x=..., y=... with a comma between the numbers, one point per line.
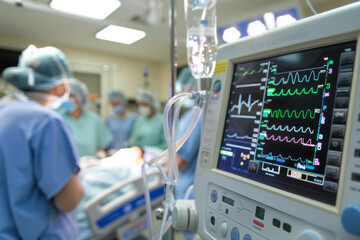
x=98, y=175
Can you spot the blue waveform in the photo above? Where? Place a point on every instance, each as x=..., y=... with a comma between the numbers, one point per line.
x=248, y=104
x=294, y=77
x=238, y=137
x=290, y=129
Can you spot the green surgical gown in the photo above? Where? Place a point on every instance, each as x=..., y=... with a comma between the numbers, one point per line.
x=90, y=133
x=149, y=132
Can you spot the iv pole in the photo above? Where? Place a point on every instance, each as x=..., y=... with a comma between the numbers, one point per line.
x=173, y=45
x=173, y=62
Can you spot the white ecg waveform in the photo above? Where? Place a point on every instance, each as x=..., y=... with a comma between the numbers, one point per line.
x=241, y=103
x=299, y=159
x=290, y=129
x=238, y=137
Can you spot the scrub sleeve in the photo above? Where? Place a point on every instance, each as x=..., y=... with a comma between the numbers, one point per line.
x=55, y=159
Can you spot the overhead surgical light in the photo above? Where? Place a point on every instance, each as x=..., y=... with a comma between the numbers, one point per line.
x=284, y=20
x=269, y=18
x=231, y=34
x=96, y=9
x=120, y=34
x=266, y=21
x=256, y=27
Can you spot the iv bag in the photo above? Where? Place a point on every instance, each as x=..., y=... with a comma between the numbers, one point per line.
x=201, y=36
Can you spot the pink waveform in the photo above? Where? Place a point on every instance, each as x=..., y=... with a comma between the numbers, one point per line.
x=286, y=139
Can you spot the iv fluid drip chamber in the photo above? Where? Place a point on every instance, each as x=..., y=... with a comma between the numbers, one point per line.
x=201, y=36
x=280, y=148
x=350, y=219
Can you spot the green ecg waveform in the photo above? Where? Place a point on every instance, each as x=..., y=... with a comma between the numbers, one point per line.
x=290, y=92
x=294, y=77
x=250, y=72
x=290, y=114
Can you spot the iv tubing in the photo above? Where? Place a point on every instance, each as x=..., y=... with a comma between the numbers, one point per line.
x=148, y=202
x=173, y=170
x=170, y=135
x=167, y=226
x=188, y=191
x=163, y=156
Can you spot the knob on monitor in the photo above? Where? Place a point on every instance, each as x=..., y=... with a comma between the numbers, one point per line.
x=350, y=219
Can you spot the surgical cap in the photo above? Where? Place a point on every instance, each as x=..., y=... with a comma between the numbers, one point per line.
x=80, y=91
x=118, y=95
x=38, y=69
x=185, y=80
x=147, y=98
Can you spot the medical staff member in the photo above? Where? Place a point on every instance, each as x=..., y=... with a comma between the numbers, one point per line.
x=90, y=133
x=122, y=122
x=148, y=130
x=38, y=183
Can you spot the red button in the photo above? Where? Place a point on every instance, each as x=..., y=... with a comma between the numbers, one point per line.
x=258, y=223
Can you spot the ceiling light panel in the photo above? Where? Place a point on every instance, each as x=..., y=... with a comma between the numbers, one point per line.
x=120, y=34
x=95, y=9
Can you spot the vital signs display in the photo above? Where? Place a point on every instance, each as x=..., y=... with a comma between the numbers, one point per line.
x=286, y=120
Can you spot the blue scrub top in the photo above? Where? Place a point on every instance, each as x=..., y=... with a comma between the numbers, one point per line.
x=90, y=133
x=37, y=158
x=121, y=129
x=189, y=152
x=149, y=132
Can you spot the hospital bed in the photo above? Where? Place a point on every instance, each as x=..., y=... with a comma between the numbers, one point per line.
x=124, y=216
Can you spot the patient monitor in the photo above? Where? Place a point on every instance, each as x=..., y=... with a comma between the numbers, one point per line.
x=280, y=151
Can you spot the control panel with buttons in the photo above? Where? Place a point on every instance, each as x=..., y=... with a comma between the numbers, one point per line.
x=338, y=128
x=248, y=219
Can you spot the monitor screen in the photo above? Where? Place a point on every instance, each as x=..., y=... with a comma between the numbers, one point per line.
x=286, y=119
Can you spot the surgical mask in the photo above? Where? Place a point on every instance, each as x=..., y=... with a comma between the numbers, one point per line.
x=60, y=100
x=69, y=105
x=56, y=102
x=144, y=111
x=118, y=110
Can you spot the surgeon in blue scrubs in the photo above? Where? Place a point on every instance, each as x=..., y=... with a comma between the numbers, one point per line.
x=122, y=122
x=39, y=187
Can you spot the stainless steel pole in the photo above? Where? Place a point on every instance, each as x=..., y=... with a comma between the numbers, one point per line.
x=173, y=63
x=173, y=46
